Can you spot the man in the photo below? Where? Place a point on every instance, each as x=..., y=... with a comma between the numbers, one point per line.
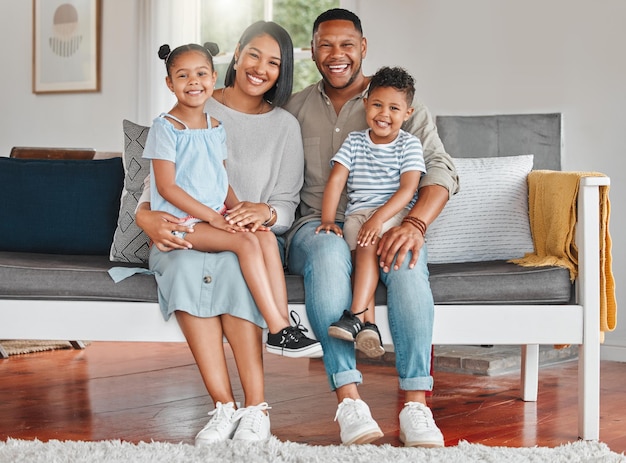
x=327, y=112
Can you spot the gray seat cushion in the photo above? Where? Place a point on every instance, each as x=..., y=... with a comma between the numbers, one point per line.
x=65, y=277
x=54, y=276
x=499, y=282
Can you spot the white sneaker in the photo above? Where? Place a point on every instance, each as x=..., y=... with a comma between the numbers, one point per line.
x=254, y=425
x=418, y=428
x=220, y=427
x=356, y=423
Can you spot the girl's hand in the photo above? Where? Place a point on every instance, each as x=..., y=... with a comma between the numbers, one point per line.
x=248, y=215
x=369, y=232
x=329, y=227
x=222, y=224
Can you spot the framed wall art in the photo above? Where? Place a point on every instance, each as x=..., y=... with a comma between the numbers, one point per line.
x=66, y=46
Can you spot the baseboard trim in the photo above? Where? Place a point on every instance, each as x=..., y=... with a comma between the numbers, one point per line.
x=613, y=353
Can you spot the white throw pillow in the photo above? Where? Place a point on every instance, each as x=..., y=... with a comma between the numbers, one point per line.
x=488, y=218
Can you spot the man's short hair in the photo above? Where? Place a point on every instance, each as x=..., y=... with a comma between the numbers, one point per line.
x=338, y=14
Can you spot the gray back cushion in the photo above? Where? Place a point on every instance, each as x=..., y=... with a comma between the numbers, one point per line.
x=504, y=135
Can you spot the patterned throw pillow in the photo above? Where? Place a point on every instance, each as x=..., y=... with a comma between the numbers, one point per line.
x=488, y=218
x=130, y=243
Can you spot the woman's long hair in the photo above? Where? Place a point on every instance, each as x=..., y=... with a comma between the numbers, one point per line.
x=281, y=91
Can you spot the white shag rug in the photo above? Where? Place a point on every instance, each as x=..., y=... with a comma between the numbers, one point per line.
x=275, y=451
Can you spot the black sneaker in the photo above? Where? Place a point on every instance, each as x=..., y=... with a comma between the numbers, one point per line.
x=348, y=326
x=292, y=342
x=369, y=341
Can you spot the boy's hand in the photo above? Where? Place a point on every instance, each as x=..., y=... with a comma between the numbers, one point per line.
x=369, y=232
x=330, y=227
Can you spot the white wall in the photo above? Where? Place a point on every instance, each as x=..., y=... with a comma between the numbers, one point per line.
x=494, y=56
x=469, y=57
x=91, y=120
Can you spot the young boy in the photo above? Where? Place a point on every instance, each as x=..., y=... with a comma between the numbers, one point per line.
x=381, y=167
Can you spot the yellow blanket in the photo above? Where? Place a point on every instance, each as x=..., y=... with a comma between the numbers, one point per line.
x=552, y=199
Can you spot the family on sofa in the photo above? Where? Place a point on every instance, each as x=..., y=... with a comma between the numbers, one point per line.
x=278, y=166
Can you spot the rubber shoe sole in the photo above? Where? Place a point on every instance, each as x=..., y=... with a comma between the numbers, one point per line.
x=340, y=333
x=426, y=444
x=366, y=438
x=368, y=342
x=313, y=351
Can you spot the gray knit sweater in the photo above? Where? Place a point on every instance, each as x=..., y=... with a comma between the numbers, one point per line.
x=265, y=159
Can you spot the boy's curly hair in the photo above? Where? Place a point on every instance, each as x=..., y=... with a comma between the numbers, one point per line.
x=395, y=77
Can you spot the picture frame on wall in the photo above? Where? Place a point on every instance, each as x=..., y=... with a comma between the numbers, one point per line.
x=66, y=46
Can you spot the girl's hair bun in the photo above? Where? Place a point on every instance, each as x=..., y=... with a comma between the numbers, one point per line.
x=164, y=51
x=213, y=48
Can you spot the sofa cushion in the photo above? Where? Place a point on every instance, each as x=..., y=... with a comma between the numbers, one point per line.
x=130, y=243
x=488, y=218
x=59, y=206
x=499, y=282
x=64, y=277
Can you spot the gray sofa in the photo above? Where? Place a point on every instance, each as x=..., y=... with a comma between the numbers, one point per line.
x=55, y=294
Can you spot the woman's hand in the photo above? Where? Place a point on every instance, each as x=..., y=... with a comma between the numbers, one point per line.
x=330, y=227
x=159, y=227
x=248, y=215
x=397, y=242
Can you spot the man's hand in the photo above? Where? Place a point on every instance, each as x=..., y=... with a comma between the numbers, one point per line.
x=159, y=227
x=397, y=242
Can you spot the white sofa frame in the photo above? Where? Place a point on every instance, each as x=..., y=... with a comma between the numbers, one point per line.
x=526, y=325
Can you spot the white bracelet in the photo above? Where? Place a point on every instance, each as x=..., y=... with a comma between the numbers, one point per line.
x=272, y=214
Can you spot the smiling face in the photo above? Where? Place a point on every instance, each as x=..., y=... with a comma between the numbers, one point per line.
x=338, y=51
x=191, y=78
x=257, y=65
x=386, y=109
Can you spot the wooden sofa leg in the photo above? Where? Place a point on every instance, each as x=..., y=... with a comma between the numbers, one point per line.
x=78, y=344
x=530, y=372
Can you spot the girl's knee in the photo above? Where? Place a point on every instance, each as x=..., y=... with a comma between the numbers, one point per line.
x=266, y=238
x=248, y=243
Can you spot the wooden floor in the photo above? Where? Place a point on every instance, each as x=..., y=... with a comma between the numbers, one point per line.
x=152, y=391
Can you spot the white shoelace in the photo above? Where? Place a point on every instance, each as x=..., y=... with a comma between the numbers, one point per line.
x=352, y=411
x=251, y=417
x=220, y=417
x=419, y=414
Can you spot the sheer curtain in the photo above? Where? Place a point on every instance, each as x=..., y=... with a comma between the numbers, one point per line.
x=175, y=22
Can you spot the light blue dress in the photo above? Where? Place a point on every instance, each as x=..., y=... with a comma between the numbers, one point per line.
x=199, y=155
x=202, y=284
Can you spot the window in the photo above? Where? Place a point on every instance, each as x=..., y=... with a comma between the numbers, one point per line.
x=223, y=22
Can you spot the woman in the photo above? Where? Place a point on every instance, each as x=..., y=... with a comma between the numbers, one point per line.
x=207, y=292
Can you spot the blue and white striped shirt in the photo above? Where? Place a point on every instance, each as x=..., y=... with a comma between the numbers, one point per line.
x=375, y=169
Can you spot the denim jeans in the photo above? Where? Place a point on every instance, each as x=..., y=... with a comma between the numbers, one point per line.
x=324, y=262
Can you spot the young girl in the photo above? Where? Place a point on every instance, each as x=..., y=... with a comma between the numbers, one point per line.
x=187, y=149
x=382, y=167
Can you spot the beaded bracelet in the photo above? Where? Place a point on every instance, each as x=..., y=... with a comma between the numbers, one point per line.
x=416, y=222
